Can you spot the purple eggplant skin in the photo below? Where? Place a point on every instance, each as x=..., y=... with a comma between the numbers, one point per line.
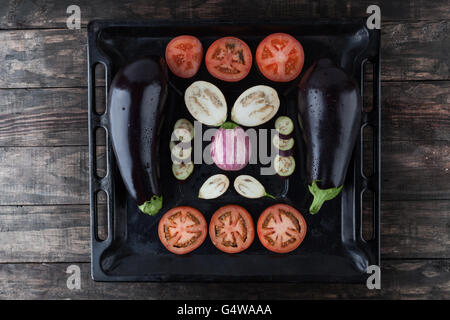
x=330, y=108
x=136, y=99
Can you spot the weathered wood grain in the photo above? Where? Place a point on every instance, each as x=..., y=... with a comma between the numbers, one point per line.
x=413, y=110
x=59, y=175
x=415, y=229
x=60, y=233
x=40, y=175
x=44, y=233
x=415, y=51
x=415, y=170
x=416, y=279
x=52, y=14
x=57, y=58
x=390, y=10
x=45, y=117
x=43, y=58
x=58, y=117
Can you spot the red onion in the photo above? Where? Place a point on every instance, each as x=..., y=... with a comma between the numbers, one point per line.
x=230, y=147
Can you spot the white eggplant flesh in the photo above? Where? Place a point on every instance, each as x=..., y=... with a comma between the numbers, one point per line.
x=182, y=171
x=284, y=166
x=284, y=125
x=255, y=106
x=184, y=124
x=214, y=187
x=180, y=151
x=182, y=135
x=248, y=187
x=206, y=103
x=282, y=144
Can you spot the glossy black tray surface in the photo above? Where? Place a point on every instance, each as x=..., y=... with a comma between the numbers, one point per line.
x=333, y=249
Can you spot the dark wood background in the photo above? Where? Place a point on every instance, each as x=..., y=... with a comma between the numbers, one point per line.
x=44, y=216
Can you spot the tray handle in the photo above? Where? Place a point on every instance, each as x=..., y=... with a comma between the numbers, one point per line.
x=372, y=182
x=97, y=184
x=375, y=179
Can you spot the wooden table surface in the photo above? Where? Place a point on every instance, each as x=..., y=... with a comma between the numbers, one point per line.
x=44, y=212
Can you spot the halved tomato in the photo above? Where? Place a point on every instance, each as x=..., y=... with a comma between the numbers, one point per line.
x=231, y=229
x=280, y=57
x=229, y=59
x=182, y=229
x=281, y=228
x=184, y=56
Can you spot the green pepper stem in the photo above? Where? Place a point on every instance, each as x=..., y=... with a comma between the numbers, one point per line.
x=321, y=195
x=152, y=206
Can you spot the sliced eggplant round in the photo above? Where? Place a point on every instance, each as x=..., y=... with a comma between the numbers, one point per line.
x=284, y=125
x=182, y=170
x=282, y=144
x=182, y=135
x=284, y=166
x=255, y=106
x=186, y=125
x=180, y=151
x=206, y=103
x=214, y=187
x=249, y=187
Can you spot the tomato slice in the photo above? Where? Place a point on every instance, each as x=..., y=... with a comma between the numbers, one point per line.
x=184, y=56
x=182, y=229
x=229, y=59
x=231, y=229
x=280, y=57
x=281, y=228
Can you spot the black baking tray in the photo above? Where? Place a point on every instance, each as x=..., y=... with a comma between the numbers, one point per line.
x=333, y=250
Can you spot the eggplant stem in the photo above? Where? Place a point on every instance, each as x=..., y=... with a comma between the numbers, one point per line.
x=229, y=125
x=321, y=195
x=268, y=195
x=152, y=206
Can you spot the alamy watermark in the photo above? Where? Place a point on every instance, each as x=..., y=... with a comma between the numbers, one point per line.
x=374, y=280
x=374, y=20
x=74, y=280
x=259, y=143
x=74, y=20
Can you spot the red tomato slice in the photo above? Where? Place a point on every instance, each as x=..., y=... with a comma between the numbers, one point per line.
x=182, y=229
x=231, y=229
x=281, y=228
x=184, y=56
x=229, y=59
x=280, y=57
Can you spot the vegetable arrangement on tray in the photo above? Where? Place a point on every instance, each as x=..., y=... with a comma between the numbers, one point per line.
x=329, y=114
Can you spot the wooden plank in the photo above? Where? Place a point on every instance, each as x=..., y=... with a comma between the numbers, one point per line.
x=413, y=110
x=415, y=51
x=44, y=233
x=415, y=229
x=57, y=58
x=43, y=58
x=59, y=175
x=47, y=176
x=45, y=117
x=415, y=170
x=60, y=233
x=416, y=279
x=390, y=10
x=52, y=14
x=55, y=117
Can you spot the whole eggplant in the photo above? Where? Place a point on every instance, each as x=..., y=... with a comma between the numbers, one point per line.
x=329, y=105
x=136, y=99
